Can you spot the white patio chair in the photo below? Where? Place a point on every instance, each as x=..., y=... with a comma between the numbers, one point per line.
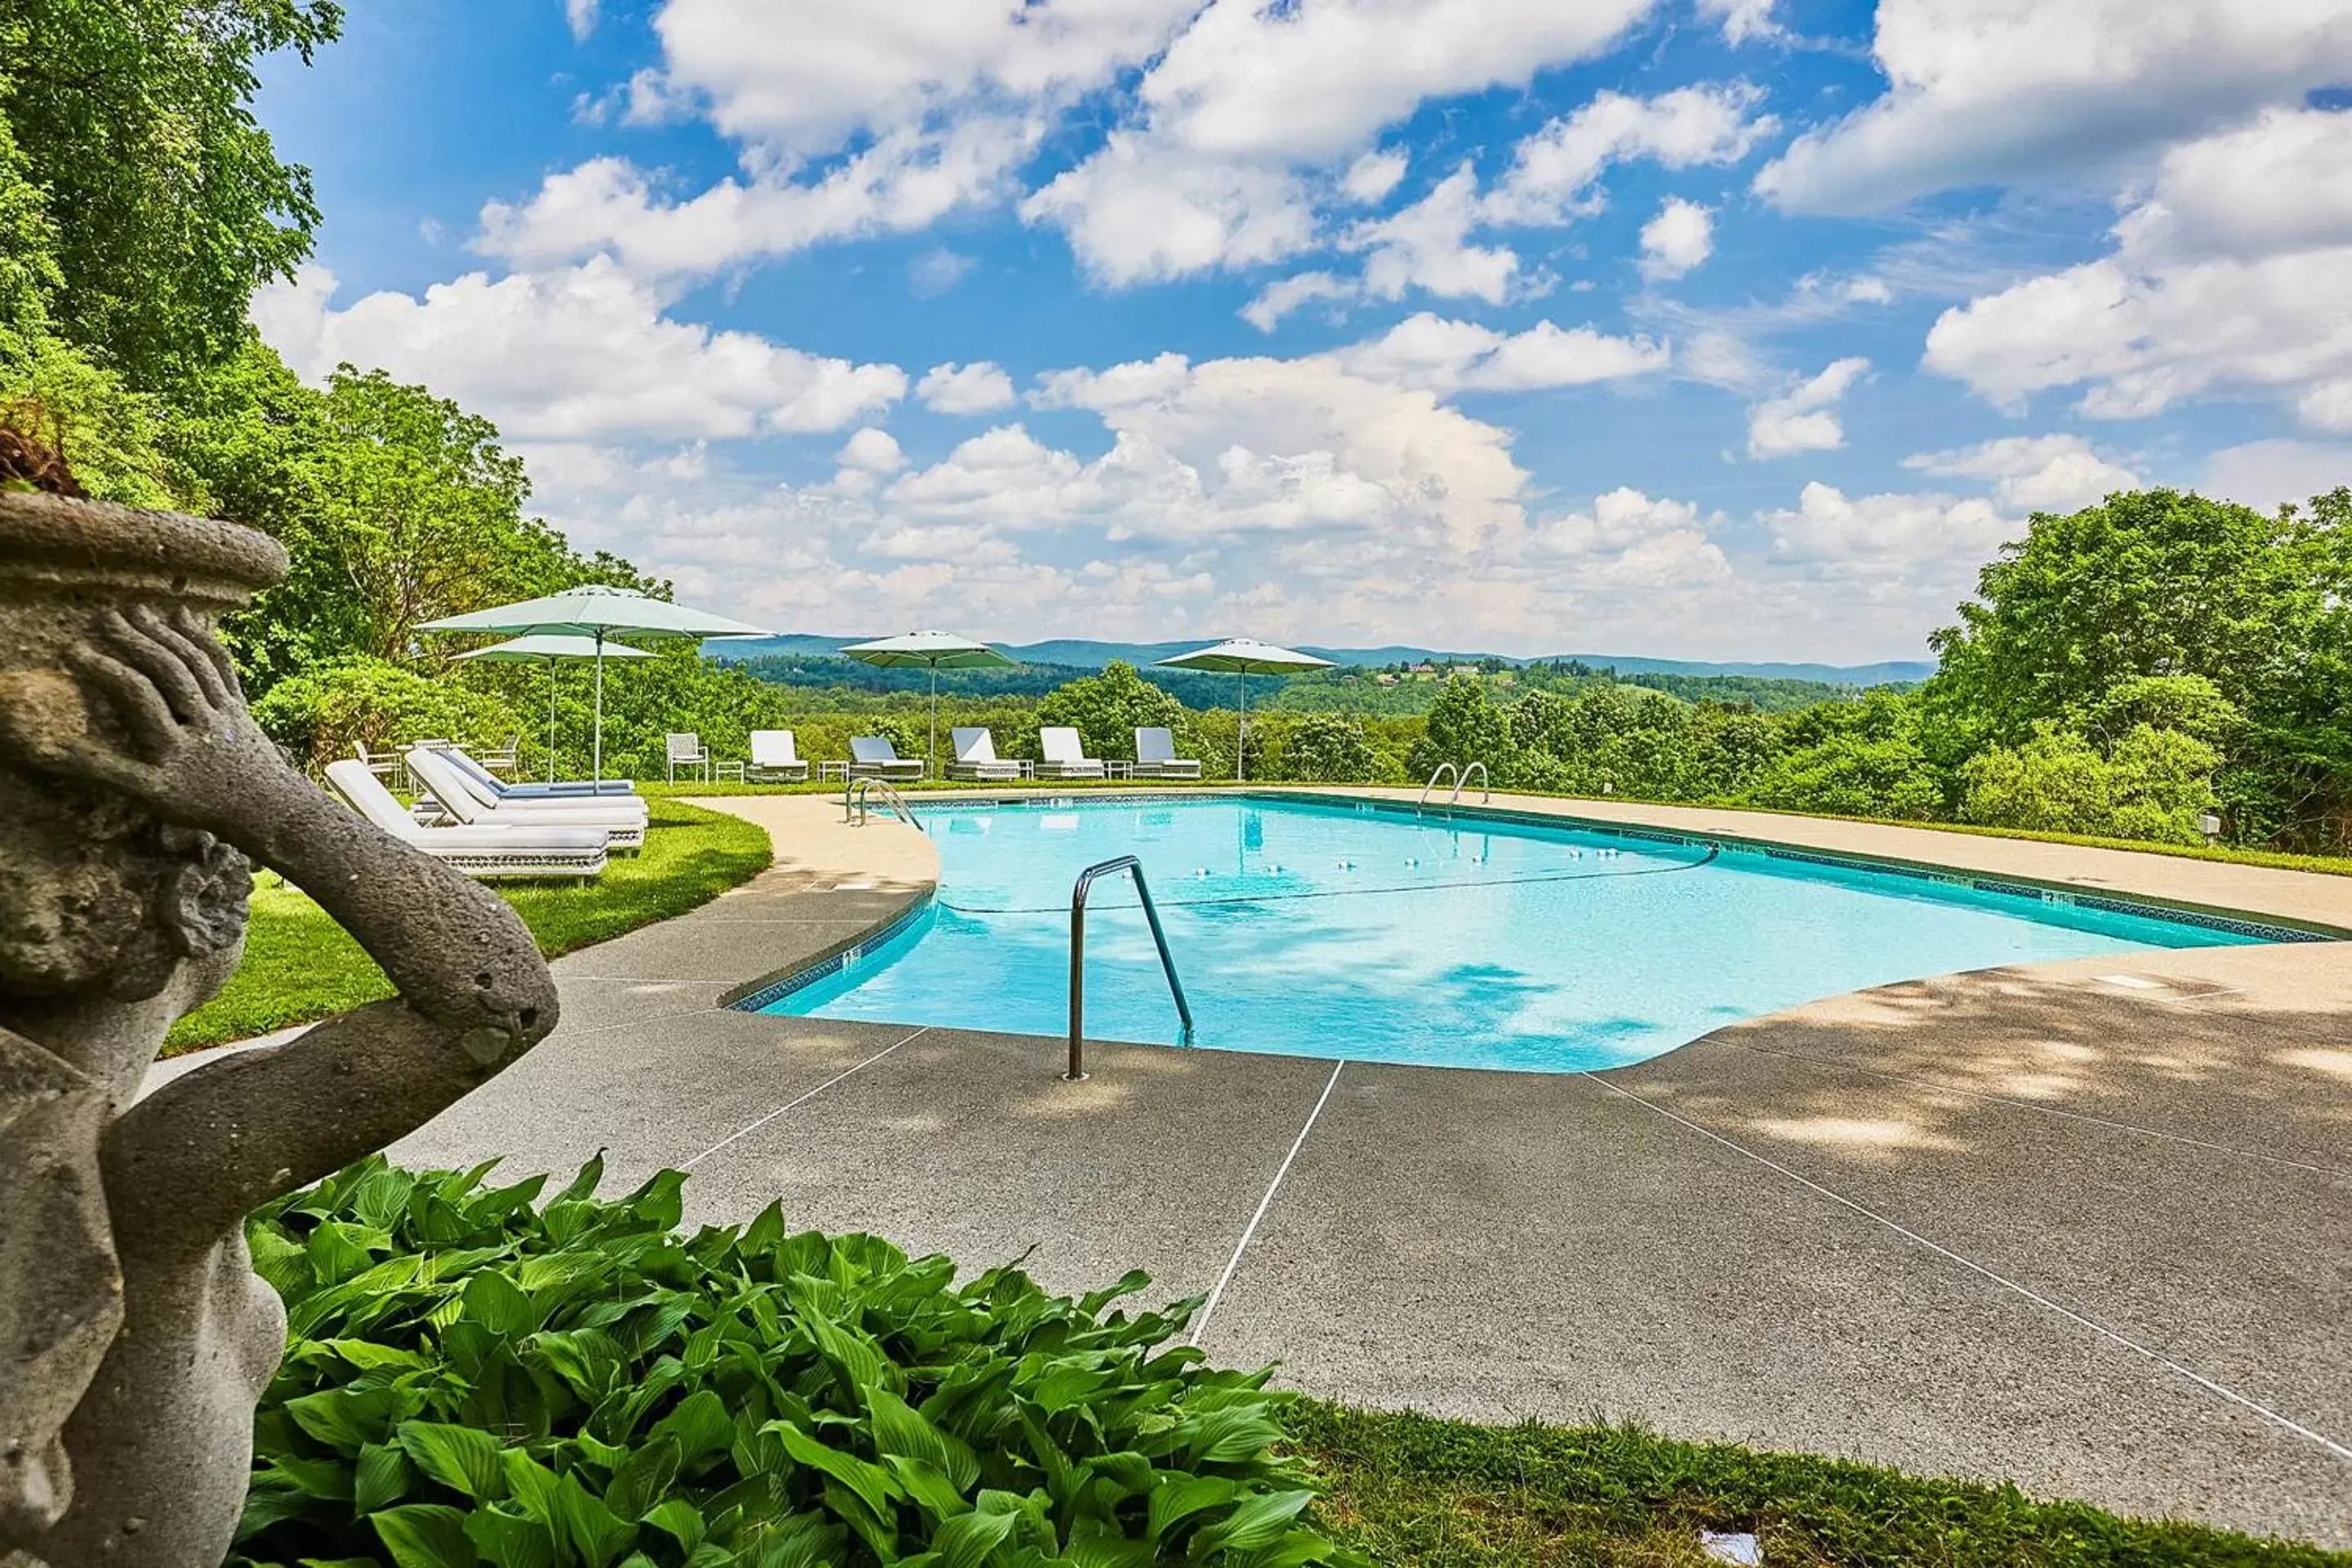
x=976, y=758
x=1065, y=755
x=1155, y=758
x=686, y=751
x=621, y=817
x=483, y=853
x=775, y=758
x=873, y=756
x=501, y=790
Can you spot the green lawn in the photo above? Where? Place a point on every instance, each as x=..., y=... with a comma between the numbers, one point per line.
x=300, y=965
x=1413, y=1492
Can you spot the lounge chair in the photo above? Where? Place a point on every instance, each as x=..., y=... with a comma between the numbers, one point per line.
x=774, y=759
x=686, y=751
x=1155, y=758
x=1065, y=755
x=622, y=817
x=976, y=758
x=873, y=756
x=479, y=852
x=560, y=789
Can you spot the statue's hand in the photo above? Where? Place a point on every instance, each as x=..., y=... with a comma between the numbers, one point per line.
x=193, y=754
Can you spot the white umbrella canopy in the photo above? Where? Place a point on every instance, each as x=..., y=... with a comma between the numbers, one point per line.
x=938, y=651
x=595, y=610
x=549, y=647
x=1245, y=656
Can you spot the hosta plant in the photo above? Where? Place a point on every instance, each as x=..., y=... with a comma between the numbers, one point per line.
x=474, y=1376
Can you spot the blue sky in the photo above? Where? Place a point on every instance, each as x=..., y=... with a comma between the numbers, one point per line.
x=1691, y=328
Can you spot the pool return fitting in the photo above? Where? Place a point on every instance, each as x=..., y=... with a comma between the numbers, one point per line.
x=1134, y=867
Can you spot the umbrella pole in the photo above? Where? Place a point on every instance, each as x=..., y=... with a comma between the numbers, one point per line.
x=1241, y=731
x=597, y=764
x=551, y=720
x=935, y=718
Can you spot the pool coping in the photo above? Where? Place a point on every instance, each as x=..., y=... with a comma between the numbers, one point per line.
x=765, y=991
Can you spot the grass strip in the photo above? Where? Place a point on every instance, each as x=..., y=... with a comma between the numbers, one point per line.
x=1412, y=1492
x=299, y=965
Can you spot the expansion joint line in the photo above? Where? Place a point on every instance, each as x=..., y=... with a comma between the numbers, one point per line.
x=2101, y=1331
x=802, y=1099
x=1209, y=1307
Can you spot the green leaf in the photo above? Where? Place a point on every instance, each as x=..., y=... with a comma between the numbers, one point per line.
x=463, y=1458
x=1182, y=1498
x=642, y=1478
x=424, y=1535
x=931, y=1491
x=899, y=1428
x=595, y=1532
x=1255, y=1522
x=679, y=1519
x=701, y=1427
x=873, y=1485
x=493, y=1302
x=512, y=1541
x=965, y=1541
x=382, y=1477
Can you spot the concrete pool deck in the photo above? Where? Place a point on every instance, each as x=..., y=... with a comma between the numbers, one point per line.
x=2085, y=1226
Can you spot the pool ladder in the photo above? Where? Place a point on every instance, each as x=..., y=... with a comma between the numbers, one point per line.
x=1086, y=878
x=1461, y=777
x=853, y=799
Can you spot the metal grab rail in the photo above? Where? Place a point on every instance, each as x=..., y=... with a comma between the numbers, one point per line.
x=1462, y=781
x=1130, y=864
x=1442, y=770
x=853, y=794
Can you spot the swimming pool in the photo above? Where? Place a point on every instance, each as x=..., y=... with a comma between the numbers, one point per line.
x=1340, y=929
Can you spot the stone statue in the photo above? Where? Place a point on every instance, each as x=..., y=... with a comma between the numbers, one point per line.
x=134, y=788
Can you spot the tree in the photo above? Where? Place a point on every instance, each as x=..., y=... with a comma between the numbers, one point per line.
x=1465, y=726
x=166, y=199
x=2153, y=784
x=1106, y=709
x=1854, y=759
x=1328, y=748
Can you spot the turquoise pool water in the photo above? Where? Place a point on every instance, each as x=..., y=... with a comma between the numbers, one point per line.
x=1331, y=930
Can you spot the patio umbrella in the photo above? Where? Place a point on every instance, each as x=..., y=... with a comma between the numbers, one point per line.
x=595, y=610
x=1245, y=656
x=936, y=651
x=550, y=647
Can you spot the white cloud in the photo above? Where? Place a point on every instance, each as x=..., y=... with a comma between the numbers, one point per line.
x=1631, y=541
x=1804, y=418
x=1742, y=19
x=1677, y=240
x=2033, y=473
x=575, y=355
x=803, y=77
x=935, y=273
x=1243, y=122
x=1446, y=356
x=1280, y=298
x=1555, y=173
x=579, y=15
x=2227, y=277
x=1996, y=91
x=2265, y=473
x=980, y=387
x=1890, y=534
x=1371, y=177
x=1137, y=212
x=1426, y=246
x=873, y=450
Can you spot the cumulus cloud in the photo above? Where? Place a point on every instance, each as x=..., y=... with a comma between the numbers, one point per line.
x=1804, y=418
x=871, y=450
x=980, y=387
x=1998, y=91
x=1426, y=245
x=579, y=15
x=577, y=353
x=1371, y=178
x=1140, y=212
x=2033, y=473
x=1742, y=20
x=1555, y=173
x=1448, y=356
x=1892, y=533
x=1279, y=298
x=2226, y=277
x=1676, y=241
x=2267, y=474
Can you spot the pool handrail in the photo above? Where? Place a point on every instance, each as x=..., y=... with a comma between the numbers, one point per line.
x=853, y=794
x=1462, y=781
x=1440, y=771
x=1133, y=867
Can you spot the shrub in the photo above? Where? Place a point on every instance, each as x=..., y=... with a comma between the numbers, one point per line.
x=2153, y=784
x=471, y=1379
x=317, y=715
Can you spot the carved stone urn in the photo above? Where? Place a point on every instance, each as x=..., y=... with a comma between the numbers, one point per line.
x=135, y=1338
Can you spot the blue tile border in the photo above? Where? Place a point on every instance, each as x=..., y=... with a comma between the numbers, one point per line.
x=832, y=963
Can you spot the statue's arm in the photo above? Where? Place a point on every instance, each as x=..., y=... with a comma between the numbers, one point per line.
x=474, y=992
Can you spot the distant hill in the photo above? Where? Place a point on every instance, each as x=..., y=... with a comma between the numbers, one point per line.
x=1089, y=655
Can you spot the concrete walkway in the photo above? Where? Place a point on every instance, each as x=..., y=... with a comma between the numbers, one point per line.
x=2084, y=1226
